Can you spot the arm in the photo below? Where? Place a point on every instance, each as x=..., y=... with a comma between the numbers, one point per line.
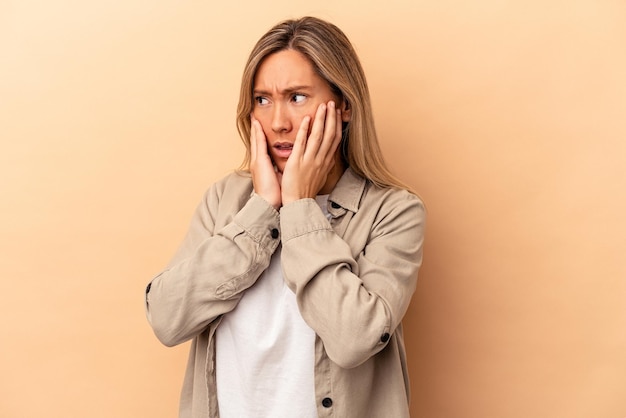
x=353, y=302
x=212, y=268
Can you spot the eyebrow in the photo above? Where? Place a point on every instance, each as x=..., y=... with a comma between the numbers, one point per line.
x=283, y=92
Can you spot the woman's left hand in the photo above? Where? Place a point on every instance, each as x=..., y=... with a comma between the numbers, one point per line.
x=312, y=158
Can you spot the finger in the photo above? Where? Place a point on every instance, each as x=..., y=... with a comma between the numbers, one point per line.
x=330, y=131
x=338, y=132
x=261, y=142
x=253, y=150
x=300, y=143
x=314, y=140
x=258, y=140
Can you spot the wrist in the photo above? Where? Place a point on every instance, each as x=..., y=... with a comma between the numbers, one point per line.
x=286, y=199
x=275, y=203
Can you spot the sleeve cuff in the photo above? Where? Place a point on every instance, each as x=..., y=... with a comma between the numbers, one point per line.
x=302, y=217
x=260, y=220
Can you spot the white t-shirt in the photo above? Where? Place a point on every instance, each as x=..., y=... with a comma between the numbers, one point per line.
x=265, y=352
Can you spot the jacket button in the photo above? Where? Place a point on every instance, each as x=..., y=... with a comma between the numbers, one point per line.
x=335, y=205
x=274, y=233
x=327, y=402
x=385, y=337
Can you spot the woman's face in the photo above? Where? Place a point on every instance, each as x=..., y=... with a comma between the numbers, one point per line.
x=286, y=89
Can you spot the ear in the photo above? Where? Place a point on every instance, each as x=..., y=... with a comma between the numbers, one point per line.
x=346, y=111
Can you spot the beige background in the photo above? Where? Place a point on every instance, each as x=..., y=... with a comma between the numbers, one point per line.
x=507, y=116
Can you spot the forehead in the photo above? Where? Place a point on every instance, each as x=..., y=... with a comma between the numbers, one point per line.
x=285, y=68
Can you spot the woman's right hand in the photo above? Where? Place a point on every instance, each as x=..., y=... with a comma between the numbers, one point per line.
x=265, y=179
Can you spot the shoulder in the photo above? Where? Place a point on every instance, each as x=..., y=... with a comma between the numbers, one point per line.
x=391, y=194
x=354, y=191
x=357, y=194
x=235, y=187
x=233, y=181
x=398, y=206
x=391, y=197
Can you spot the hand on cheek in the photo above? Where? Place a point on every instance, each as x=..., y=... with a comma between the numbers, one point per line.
x=313, y=155
x=265, y=179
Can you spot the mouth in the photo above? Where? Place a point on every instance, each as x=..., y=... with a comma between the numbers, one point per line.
x=283, y=149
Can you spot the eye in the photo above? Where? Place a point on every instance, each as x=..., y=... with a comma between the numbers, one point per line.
x=298, y=98
x=260, y=100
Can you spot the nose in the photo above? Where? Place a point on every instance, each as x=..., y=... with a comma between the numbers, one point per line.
x=280, y=119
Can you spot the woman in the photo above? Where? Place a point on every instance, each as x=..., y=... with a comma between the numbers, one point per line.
x=296, y=271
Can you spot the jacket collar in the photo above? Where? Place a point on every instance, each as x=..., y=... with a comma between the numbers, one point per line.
x=347, y=193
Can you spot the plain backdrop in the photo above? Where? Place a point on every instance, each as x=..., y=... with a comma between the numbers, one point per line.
x=508, y=117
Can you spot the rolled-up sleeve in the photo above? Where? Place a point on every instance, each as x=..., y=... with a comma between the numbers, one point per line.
x=212, y=268
x=354, y=302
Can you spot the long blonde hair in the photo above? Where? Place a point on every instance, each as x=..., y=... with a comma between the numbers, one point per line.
x=334, y=59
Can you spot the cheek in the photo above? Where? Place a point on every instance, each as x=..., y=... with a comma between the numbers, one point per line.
x=263, y=120
x=310, y=111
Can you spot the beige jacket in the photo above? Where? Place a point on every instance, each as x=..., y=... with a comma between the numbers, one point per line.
x=353, y=278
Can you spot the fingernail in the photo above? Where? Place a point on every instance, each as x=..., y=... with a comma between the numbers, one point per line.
x=331, y=104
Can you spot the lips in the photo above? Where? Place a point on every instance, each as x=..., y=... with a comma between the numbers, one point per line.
x=282, y=149
x=283, y=145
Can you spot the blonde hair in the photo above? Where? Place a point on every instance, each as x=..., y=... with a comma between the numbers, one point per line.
x=334, y=59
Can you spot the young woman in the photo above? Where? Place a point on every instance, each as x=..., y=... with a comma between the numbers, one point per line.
x=297, y=270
